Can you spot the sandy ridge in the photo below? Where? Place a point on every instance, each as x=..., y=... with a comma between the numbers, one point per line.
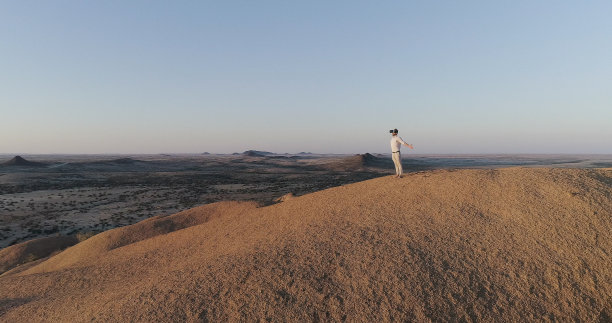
x=495, y=245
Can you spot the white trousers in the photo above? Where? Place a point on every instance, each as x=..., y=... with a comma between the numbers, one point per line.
x=397, y=160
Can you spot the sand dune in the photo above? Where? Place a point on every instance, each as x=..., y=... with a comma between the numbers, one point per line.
x=510, y=244
x=104, y=242
x=13, y=256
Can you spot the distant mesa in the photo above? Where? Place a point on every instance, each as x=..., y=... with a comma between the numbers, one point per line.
x=257, y=153
x=367, y=160
x=253, y=154
x=304, y=153
x=115, y=162
x=20, y=161
x=367, y=157
x=205, y=153
x=358, y=162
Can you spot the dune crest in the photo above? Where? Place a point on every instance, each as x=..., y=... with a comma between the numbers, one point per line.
x=31, y=250
x=511, y=244
x=107, y=241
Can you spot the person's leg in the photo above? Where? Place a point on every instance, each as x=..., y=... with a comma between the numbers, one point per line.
x=399, y=164
x=396, y=163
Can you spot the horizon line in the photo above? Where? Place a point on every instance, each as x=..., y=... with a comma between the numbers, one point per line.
x=298, y=153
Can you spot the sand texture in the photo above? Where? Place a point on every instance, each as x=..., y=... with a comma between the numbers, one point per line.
x=504, y=245
x=13, y=256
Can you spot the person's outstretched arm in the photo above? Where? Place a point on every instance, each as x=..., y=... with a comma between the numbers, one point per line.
x=405, y=144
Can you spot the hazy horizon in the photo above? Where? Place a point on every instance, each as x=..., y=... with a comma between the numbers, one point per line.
x=150, y=77
x=405, y=155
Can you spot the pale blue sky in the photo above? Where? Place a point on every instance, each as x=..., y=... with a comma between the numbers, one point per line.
x=321, y=76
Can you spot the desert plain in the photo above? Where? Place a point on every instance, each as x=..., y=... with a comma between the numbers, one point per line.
x=258, y=236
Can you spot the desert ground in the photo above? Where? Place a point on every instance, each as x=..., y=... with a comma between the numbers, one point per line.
x=43, y=196
x=514, y=244
x=47, y=195
x=260, y=236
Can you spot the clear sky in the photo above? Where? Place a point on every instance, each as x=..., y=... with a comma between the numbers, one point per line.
x=290, y=76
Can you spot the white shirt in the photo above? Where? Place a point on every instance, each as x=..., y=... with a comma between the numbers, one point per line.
x=396, y=143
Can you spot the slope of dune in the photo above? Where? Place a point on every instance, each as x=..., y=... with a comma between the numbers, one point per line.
x=511, y=244
x=13, y=256
x=155, y=226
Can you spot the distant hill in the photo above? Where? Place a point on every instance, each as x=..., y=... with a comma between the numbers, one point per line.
x=257, y=153
x=504, y=245
x=20, y=161
x=358, y=162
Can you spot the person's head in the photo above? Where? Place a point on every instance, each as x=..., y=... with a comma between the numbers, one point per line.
x=393, y=132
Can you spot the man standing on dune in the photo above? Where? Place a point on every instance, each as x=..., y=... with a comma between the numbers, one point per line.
x=396, y=144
